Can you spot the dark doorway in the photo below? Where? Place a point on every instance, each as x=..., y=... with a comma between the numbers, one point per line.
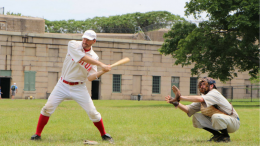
x=5, y=87
x=95, y=90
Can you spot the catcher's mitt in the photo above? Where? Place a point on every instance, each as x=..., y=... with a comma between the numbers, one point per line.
x=177, y=93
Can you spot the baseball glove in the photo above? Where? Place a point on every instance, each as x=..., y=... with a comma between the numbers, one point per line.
x=177, y=93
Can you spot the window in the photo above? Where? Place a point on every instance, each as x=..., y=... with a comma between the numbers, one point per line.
x=117, y=83
x=156, y=84
x=193, y=85
x=29, y=80
x=248, y=87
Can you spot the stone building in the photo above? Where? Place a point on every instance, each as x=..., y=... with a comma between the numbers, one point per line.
x=33, y=60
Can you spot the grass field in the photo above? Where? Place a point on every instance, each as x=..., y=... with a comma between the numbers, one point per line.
x=130, y=123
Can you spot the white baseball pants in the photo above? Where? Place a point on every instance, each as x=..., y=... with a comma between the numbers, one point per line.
x=216, y=122
x=79, y=93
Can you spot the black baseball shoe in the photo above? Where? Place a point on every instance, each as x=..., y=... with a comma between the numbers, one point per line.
x=215, y=137
x=36, y=137
x=107, y=137
x=223, y=139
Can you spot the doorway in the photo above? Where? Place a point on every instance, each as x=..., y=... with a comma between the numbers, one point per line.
x=175, y=81
x=5, y=84
x=95, y=89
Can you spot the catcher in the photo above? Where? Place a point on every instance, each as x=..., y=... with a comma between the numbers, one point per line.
x=217, y=115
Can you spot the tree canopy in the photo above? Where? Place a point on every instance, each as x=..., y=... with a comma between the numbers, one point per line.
x=125, y=23
x=222, y=46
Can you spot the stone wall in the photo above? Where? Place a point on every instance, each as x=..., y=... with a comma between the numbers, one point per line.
x=36, y=52
x=22, y=24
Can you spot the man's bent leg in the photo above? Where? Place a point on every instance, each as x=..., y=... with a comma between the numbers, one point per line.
x=203, y=122
x=100, y=127
x=43, y=120
x=221, y=121
x=57, y=96
x=82, y=97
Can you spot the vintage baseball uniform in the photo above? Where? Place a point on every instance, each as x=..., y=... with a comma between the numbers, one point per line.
x=74, y=71
x=217, y=121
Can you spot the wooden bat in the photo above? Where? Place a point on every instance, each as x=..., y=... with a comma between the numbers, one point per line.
x=122, y=61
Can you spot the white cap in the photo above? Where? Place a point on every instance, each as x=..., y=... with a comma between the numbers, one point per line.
x=14, y=83
x=89, y=34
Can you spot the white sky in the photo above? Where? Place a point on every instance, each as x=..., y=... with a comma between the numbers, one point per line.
x=84, y=9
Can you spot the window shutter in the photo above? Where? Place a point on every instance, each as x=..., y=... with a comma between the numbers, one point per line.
x=32, y=81
x=26, y=80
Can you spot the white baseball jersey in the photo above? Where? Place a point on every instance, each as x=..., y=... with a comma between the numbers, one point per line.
x=73, y=69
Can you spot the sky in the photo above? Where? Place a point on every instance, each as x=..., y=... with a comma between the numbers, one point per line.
x=84, y=9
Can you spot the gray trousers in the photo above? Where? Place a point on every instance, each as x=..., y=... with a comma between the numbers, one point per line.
x=216, y=122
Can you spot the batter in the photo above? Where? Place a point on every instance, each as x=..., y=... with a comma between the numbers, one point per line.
x=79, y=65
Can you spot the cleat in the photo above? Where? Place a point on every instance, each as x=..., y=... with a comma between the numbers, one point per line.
x=107, y=137
x=36, y=137
x=214, y=137
x=223, y=139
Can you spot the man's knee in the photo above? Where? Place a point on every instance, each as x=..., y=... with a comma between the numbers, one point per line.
x=48, y=109
x=195, y=120
x=94, y=116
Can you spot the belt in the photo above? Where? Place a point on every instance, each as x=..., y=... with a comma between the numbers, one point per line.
x=71, y=83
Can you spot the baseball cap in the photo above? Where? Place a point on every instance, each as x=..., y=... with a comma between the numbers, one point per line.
x=211, y=81
x=14, y=83
x=90, y=34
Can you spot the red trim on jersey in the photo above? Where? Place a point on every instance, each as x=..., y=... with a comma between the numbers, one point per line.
x=87, y=50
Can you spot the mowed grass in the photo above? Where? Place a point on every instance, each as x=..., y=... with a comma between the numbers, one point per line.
x=130, y=123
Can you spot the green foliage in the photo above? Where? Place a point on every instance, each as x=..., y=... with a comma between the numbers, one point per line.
x=257, y=79
x=223, y=44
x=15, y=14
x=114, y=24
x=130, y=123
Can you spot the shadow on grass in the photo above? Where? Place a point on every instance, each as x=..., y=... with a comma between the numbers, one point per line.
x=157, y=105
x=169, y=105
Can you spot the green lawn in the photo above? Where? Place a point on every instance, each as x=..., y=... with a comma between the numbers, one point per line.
x=133, y=123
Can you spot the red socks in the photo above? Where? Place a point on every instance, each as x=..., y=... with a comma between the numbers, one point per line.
x=43, y=120
x=100, y=127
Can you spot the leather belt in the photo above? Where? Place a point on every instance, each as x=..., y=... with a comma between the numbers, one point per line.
x=71, y=83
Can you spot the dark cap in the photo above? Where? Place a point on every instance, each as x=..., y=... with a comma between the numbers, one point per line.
x=211, y=81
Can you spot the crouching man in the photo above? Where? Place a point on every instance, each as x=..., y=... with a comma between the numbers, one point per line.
x=217, y=115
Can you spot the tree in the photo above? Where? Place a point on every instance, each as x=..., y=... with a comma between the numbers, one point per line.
x=15, y=14
x=125, y=23
x=222, y=46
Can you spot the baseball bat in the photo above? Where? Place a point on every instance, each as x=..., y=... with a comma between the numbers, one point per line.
x=122, y=61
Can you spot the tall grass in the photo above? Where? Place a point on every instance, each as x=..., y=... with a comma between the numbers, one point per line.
x=130, y=123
